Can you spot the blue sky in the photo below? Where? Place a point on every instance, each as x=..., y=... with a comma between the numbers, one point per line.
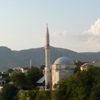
x=73, y=24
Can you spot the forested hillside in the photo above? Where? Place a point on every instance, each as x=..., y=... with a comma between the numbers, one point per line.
x=11, y=58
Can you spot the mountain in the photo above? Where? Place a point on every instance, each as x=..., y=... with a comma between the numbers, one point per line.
x=10, y=58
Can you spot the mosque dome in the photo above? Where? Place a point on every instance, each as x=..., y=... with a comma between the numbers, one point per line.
x=64, y=61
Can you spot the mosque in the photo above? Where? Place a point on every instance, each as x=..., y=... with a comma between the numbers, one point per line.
x=63, y=67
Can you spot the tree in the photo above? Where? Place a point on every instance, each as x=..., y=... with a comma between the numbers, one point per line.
x=19, y=80
x=95, y=93
x=10, y=70
x=42, y=67
x=22, y=95
x=83, y=85
x=63, y=89
x=9, y=92
x=43, y=95
x=34, y=74
x=32, y=94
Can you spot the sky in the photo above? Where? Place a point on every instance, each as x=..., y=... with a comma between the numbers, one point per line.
x=73, y=24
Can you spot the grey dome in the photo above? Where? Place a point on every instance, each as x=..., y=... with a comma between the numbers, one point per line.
x=64, y=61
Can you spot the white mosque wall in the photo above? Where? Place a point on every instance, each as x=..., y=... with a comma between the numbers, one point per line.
x=61, y=71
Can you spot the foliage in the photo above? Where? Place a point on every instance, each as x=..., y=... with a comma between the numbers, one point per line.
x=19, y=80
x=77, y=69
x=8, y=79
x=32, y=94
x=84, y=85
x=4, y=75
x=27, y=81
x=63, y=89
x=34, y=74
x=8, y=92
x=42, y=67
x=44, y=95
x=22, y=95
x=10, y=70
x=95, y=94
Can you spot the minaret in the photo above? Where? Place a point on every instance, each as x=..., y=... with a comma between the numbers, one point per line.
x=47, y=62
x=30, y=63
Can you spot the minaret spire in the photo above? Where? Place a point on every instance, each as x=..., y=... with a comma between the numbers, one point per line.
x=47, y=29
x=47, y=36
x=30, y=63
x=47, y=62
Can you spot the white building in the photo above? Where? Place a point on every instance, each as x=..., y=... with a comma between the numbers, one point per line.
x=24, y=70
x=63, y=67
x=2, y=82
x=90, y=64
x=47, y=74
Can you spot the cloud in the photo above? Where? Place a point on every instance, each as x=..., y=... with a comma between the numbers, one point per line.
x=93, y=33
x=95, y=28
x=88, y=40
x=59, y=39
x=59, y=35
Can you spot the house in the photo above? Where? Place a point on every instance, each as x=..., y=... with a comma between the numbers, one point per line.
x=88, y=65
x=2, y=82
x=24, y=70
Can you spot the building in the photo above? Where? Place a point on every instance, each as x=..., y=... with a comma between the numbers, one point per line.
x=18, y=70
x=2, y=82
x=24, y=70
x=47, y=75
x=90, y=64
x=63, y=67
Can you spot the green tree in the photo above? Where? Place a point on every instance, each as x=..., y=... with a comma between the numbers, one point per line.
x=32, y=94
x=95, y=93
x=83, y=85
x=63, y=89
x=10, y=70
x=19, y=80
x=34, y=74
x=9, y=92
x=42, y=67
x=43, y=95
x=22, y=95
